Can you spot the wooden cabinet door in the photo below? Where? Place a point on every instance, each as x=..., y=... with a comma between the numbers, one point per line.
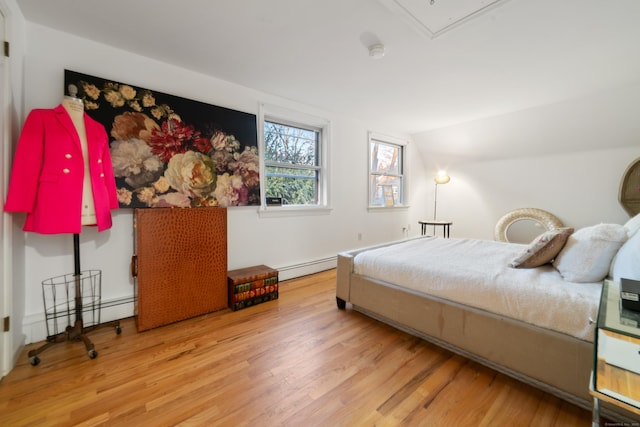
x=181, y=263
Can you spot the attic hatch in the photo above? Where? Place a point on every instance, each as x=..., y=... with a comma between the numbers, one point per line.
x=435, y=17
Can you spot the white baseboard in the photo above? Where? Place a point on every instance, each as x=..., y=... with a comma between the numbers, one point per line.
x=35, y=329
x=303, y=269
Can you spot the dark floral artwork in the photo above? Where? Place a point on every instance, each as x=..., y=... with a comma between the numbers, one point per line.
x=171, y=151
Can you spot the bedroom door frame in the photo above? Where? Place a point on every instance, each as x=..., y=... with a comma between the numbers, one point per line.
x=6, y=295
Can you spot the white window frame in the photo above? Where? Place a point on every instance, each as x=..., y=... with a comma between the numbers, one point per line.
x=272, y=113
x=402, y=144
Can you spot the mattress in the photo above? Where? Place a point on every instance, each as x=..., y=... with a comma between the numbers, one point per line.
x=476, y=273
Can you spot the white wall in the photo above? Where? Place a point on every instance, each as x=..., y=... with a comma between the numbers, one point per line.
x=580, y=188
x=567, y=158
x=581, y=148
x=280, y=242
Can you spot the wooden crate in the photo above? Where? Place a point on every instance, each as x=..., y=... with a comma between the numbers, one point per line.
x=252, y=285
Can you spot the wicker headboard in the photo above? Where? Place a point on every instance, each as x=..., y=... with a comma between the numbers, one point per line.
x=630, y=189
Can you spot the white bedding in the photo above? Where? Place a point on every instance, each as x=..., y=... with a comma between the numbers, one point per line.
x=476, y=273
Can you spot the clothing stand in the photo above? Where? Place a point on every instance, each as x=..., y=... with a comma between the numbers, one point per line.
x=77, y=331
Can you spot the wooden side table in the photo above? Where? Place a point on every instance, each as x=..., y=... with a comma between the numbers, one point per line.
x=616, y=366
x=446, y=227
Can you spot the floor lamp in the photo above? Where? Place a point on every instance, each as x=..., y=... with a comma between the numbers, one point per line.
x=440, y=178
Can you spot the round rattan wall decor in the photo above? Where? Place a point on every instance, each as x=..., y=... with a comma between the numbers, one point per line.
x=629, y=195
x=537, y=217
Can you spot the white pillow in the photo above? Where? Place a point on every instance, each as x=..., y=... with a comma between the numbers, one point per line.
x=627, y=261
x=633, y=225
x=587, y=255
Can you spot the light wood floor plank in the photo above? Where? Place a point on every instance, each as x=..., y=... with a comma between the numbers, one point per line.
x=295, y=361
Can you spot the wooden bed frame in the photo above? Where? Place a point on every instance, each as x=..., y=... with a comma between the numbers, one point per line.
x=554, y=362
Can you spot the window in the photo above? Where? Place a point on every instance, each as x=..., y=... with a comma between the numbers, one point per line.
x=386, y=171
x=295, y=152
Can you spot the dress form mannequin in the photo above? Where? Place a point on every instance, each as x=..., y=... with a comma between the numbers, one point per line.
x=82, y=282
x=75, y=108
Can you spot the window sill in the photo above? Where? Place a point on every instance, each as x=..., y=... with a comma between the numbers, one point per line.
x=387, y=208
x=289, y=211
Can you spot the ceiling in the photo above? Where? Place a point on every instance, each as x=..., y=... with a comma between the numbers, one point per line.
x=510, y=56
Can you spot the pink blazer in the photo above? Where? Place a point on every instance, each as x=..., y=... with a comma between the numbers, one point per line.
x=48, y=173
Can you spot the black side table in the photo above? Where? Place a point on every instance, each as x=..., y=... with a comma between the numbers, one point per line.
x=446, y=227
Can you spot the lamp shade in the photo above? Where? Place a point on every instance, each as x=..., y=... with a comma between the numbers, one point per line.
x=442, y=177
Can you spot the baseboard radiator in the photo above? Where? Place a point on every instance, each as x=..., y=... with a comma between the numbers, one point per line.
x=303, y=269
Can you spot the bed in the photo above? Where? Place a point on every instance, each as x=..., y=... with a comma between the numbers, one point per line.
x=472, y=297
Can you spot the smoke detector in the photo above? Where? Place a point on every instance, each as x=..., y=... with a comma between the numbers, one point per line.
x=376, y=51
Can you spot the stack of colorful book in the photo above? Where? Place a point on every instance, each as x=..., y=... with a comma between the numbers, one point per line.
x=252, y=285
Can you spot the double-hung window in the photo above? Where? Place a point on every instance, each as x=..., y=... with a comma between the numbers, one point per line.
x=386, y=171
x=295, y=160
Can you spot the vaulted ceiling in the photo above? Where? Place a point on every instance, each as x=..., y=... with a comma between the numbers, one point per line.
x=445, y=61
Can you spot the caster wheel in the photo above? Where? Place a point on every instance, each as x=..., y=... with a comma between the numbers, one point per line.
x=93, y=354
x=342, y=304
x=118, y=330
x=35, y=360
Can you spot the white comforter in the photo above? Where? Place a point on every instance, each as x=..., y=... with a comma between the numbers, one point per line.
x=476, y=273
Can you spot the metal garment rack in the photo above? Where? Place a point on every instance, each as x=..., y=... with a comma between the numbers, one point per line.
x=77, y=331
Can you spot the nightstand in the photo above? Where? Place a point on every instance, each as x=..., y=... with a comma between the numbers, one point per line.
x=616, y=358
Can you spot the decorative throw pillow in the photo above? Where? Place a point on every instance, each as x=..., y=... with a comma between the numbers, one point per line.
x=587, y=255
x=543, y=249
x=626, y=263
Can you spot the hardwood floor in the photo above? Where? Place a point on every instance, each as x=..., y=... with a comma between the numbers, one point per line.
x=296, y=361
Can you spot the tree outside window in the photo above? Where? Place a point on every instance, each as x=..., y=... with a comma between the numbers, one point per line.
x=292, y=163
x=386, y=173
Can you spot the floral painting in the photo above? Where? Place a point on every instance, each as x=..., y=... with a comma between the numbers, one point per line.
x=171, y=151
